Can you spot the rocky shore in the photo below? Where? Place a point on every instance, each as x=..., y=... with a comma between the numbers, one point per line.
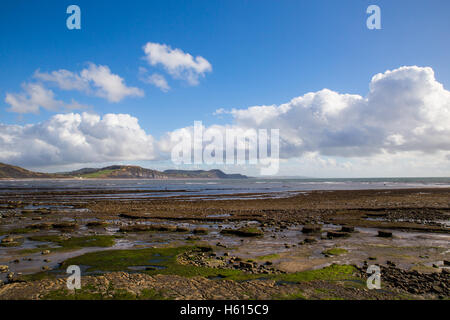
x=312, y=245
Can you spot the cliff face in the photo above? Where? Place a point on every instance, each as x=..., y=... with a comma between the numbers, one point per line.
x=115, y=172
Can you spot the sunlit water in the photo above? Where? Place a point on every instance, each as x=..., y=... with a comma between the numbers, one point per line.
x=220, y=187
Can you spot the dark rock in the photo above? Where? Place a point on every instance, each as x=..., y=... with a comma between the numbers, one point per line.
x=202, y=231
x=384, y=234
x=94, y=224
x=310, y=240
x=337, y=234
x=64, y=225
x=311, y=228
x=245, y=265
x=243, y=232
x=347, y=229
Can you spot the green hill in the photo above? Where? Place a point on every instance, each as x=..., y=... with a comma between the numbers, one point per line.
x=115, y=172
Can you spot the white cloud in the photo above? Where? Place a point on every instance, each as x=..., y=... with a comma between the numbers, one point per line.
x=76, y=138
x=95, y=79
x=109, y=85
x=406, y=110
x=401, y=127
x=66, y=80
x=156, y=79
x=159, y=81
x=177, y=63
x=34, y=97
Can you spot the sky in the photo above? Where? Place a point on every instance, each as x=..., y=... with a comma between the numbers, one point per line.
x=348, y=101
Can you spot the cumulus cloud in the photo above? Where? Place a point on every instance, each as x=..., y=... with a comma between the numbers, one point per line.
x=95, y=79
x=65, y=79
x=176, y=62
x=34, y=97
x=156, y=79
x=401, y=127
x=76, y=138
x=406, y=109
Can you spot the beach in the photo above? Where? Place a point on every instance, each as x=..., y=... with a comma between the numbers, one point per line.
x=181, y=242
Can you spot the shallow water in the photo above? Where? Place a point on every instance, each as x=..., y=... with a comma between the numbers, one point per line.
x=167, y=188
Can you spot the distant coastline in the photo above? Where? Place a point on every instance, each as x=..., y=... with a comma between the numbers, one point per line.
x=122, y=172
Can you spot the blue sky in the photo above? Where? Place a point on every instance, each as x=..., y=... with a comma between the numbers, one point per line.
x=261, y=52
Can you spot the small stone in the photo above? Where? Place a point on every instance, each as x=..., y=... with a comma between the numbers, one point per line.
x=4, y=268
x=245, y=265
x=8, y=240
x=437, y=289
x=45, y=252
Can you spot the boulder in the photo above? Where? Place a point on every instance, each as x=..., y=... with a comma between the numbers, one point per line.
x=310, y=240
x=312, y=228
x=64, y=225
x=337, y=234
x=200, y=231
x=94, y=224
x=245, y=265
x=384, y=234
x=347, y=229
x=243, y=232
x=182, y=229
x=8, y=240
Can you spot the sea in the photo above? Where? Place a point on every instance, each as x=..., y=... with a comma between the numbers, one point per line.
x=162, y=188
